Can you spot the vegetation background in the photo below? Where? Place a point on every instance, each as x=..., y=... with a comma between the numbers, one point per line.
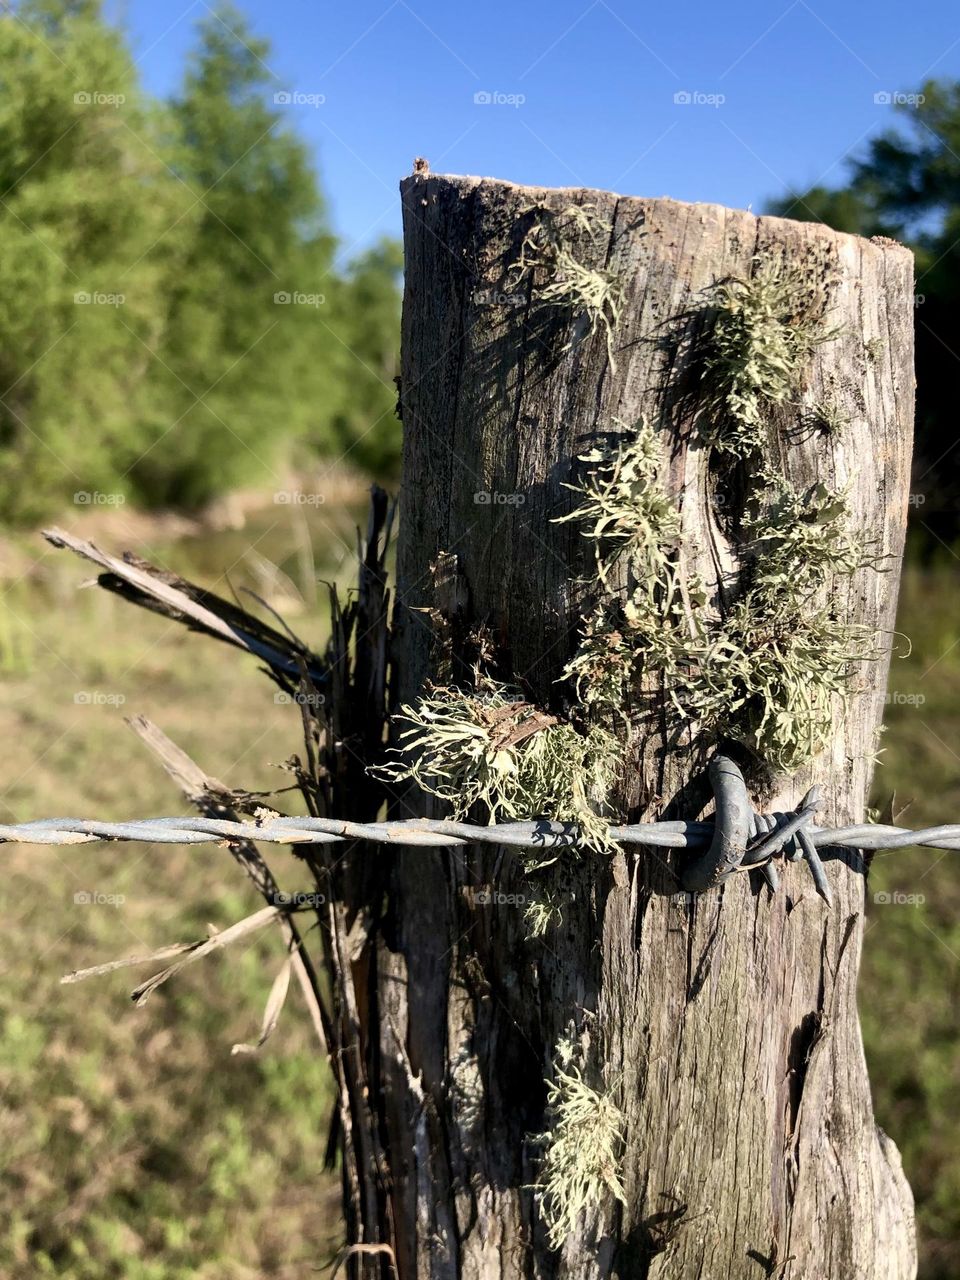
x=192, y=371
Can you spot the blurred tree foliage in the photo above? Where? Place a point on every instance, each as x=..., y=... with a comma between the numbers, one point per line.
x=363, y=412
x=907, y=186
x=173, y=317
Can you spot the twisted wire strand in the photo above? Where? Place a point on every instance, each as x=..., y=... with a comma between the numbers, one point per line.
x=444, y=833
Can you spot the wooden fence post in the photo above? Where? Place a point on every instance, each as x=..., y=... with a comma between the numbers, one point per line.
x=539, y=324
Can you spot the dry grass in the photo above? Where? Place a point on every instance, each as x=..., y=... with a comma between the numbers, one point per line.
x=135, y=1146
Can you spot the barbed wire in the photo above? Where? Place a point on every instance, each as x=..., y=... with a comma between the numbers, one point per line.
x=738, y=839
x=442, y=833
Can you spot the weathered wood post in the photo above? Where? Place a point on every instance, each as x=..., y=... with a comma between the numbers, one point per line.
x=539, y=324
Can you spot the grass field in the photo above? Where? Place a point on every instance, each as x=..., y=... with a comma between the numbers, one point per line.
x=134, y=1144
x=910, y=985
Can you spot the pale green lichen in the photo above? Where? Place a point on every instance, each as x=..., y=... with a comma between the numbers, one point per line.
x=542, y=912
x=768, y=676
x=763, y=664
x=797, y=536
x=581, y=1149
x=763, y=332
x=634, y=527
x=765, y=670
x=492, y=749
x=625, y=512
x=827, y=417
x=550, y=258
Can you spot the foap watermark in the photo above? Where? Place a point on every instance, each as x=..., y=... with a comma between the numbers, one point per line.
x=97, y=99
x=721, y=500
x=494, y=98
x=491, y=498
x=283, y=699
x=94, y=898
x=94, y=498
x=298, y=498
x=897, y=698
x=297, y=99
x=494, y=898
x=897, y=899
x=685, y=899
x=297, y=901
x=285, y=298
x=492, y=298
x=894, y=99
x=916, y=499
x=98, y=698
x=697, y=98
x=97, y=299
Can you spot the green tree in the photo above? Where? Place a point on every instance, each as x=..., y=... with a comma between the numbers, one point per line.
x=83, y=201
x=171, y=321
x=365, y=320
x=907, y=186
x=244, y=360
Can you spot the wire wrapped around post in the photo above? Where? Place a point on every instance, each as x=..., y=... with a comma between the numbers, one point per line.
x=738, y=839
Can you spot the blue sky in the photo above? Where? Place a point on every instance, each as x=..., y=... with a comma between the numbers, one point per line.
x=583, y=90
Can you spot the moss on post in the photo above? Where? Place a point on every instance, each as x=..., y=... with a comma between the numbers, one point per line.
x=492, y=750
x=765, y=328
x=553, y=263
x=582, y=1148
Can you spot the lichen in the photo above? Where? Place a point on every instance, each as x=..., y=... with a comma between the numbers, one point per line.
x=763, y=670
x=634, y=528
x=763, y=663
x=581, y=1149
x=626, y=513
x=796, y=536
x=542, y=913
x=549, y=257
x=827, y=417
x=768, y=676
x=764, y=329
x=493, y=749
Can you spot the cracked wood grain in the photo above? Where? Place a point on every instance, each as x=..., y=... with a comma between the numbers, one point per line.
x=728, y=1022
